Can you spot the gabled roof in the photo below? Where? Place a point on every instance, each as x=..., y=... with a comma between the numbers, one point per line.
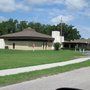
x=28, y=33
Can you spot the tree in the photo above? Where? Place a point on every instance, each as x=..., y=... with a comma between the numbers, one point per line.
x=69, y=32
x=22, y=25
x=11, y=26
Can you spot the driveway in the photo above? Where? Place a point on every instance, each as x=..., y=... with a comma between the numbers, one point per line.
x=87, y=53
x=74, y=79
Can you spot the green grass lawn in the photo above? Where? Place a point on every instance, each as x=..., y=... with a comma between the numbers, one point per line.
x=12, y=79
x=17, y=58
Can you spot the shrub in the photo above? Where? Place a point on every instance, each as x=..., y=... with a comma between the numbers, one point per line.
x=57, y=46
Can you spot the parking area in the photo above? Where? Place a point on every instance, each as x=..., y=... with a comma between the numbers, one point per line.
x=87, y=53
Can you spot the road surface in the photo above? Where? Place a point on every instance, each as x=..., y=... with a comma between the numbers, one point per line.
x=74, y=79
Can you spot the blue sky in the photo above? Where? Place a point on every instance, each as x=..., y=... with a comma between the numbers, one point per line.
x=75, y=12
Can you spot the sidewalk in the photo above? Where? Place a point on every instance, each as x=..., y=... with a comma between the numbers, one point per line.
x=40, y=67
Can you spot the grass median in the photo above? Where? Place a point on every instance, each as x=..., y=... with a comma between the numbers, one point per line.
x=12, y=79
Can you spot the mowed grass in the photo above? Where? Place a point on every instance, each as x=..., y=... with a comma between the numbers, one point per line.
x=12, y=79
x=16, y=58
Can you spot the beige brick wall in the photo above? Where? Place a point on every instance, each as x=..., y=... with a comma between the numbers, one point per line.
x=27, y=45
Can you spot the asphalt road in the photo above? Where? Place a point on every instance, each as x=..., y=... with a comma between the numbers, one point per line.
x=74, y=79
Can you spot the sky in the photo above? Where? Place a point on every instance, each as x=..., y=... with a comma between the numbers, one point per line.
x=73, y=12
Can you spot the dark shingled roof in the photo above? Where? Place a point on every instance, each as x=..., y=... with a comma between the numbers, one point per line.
x=28, y=33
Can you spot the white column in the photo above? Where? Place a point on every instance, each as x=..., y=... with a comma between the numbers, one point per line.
x=2, y=44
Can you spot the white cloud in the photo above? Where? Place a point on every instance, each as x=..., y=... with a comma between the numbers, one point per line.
x=11, y=5
x=84, y=31
x=76, y=4
x=58, y=1
x=7, y=5
x=44, y=1
x=86, y=12
x=65, y=19
x=36, y=1
x=70, y=5
x=23, y=7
